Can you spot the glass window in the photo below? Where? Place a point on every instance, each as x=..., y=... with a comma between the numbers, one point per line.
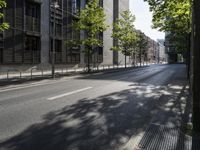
x=32, y=49
x=32, y=17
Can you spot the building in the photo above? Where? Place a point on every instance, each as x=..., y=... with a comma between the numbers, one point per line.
x=28, y=41
x=170, y=48
x=153, y=51
x=162, y=54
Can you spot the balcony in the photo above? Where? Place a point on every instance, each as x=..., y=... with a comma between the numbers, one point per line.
x=32, y=24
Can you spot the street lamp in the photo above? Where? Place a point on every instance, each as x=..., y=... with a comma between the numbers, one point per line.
x=55, y=6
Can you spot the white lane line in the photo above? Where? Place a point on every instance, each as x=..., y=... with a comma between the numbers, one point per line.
x=32, y=85
x=69, y=93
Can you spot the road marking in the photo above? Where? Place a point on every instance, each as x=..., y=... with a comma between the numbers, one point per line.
x=69, y=93
x=32, y=85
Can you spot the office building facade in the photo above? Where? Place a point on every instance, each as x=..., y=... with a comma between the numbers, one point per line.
x=28, y=41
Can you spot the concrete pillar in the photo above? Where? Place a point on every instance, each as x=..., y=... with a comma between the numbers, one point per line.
x=82, y=54
x=107, y=39
x=123, y=6
x=45, y=31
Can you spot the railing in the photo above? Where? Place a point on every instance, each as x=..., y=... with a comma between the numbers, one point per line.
x=40, y=72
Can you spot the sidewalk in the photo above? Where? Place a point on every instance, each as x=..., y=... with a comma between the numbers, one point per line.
x=35, y=72
x=36, y=75
x=170, y=128
x=39, y=72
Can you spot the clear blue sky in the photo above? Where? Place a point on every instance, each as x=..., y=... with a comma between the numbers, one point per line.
x=143, y=19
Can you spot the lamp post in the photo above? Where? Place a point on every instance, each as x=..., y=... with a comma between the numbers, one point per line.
x=54, y=5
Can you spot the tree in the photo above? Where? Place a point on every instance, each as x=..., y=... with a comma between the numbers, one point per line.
x=195, y=78
x=174, y=17
x=91, y=20
x=142, y=45
x=3, y=25
x=125, y=34
x=171, y=15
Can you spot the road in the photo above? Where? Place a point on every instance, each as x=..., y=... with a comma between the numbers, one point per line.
x=86, y=112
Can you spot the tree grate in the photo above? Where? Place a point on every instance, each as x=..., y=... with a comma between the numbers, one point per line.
x=160, y=137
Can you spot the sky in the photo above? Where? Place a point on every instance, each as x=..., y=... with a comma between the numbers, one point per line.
x=143, y=19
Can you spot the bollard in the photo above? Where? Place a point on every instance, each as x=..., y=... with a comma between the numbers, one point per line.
x=20, y=74
x=31, y=73
x=8, y=74
x=62, y=71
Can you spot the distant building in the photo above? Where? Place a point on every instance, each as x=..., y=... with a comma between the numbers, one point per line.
x=153, y=49
x=162, y=53
x=170, y=49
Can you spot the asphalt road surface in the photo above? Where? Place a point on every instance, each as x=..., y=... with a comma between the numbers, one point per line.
x=86, y=112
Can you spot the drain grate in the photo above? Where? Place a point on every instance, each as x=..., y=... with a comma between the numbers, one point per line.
x=160, y=137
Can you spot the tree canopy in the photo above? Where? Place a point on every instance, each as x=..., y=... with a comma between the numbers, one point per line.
x=142, y=45
x=174, y=18
x=125, y=33
x=3, y=25
x=90, y=20
x=171, y=15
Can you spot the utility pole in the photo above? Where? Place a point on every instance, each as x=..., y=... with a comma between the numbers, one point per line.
x=140, y=55
x=125, y=57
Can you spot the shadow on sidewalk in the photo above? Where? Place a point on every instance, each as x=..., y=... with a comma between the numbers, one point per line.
x=166, y=130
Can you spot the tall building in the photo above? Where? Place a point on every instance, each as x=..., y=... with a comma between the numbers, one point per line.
x=28, y=41
x=162, y=53
x=153, y=51
x=170, y=48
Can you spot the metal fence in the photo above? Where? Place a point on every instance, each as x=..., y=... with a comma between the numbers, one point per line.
x=61, y=71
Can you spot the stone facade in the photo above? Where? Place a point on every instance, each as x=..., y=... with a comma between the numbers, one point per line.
x=107, y=39
x=25, y=55
x=123, y=6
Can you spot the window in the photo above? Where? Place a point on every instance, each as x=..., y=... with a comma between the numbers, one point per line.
x=58, y=29
x=58, y=50
x=73, y=55
x=32, y=10
x=100, y=54
x=32, y=49
x=74, y=6
x=32, y=17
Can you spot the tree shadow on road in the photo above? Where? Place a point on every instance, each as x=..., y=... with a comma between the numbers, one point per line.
x=105, y=122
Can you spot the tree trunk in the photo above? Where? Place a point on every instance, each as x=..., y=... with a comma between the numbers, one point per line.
x=125, y=60
x=88, y=63
x=188, y=40
x=140, y=55
x=195, y=59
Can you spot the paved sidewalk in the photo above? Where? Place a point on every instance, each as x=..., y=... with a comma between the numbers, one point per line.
x=38, y=72
x=18, y=78
x=167, y=130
